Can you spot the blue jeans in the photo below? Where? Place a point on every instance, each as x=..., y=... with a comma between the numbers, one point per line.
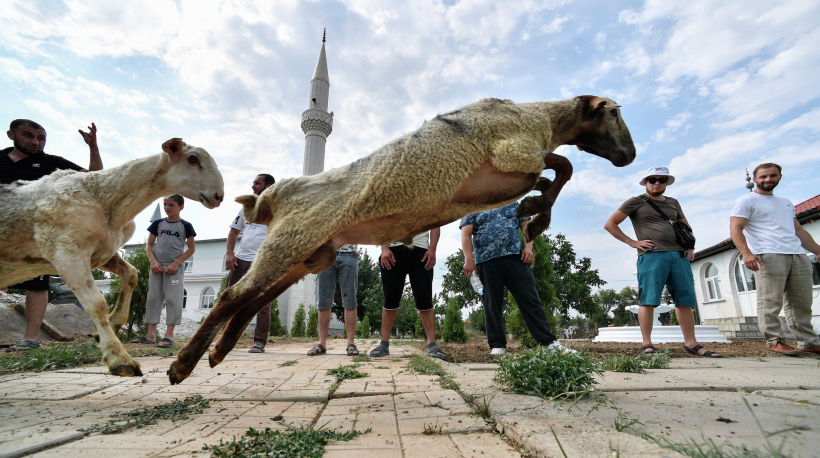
x=346, y=270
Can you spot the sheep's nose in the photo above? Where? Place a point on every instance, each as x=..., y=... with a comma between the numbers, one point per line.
x=218, y=197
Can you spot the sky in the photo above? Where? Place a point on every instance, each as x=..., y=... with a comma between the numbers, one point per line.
x=707, y=88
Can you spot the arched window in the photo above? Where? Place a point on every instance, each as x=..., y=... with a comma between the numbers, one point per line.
x=208, y=297
x=713, y=282
x=188, y=265
x=225, y=262
x=744, y=278
x=184, y=297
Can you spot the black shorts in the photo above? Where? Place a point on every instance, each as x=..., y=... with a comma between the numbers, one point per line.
x=408, y=262
x=35, y=284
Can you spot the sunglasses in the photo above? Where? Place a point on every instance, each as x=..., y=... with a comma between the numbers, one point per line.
x=661, y=180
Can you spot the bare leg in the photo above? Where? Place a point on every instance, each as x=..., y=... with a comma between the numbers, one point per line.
x=686, y=318
x=646, y=316
x=324, y=325
x=169, y=331
x=428, y=319
x=388, y=318
x=36, y=303
x=151, y=332
x=350, y=325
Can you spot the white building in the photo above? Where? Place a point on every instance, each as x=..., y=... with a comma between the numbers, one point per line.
x=726, y=288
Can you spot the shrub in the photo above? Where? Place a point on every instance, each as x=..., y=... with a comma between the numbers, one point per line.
x=275, y=322
x=547, y=373
x=477, y=320
x=453, y=325
x=420, y=332
x=517, y=327
x=298, y=328
x=364, y=327
x=313, y=323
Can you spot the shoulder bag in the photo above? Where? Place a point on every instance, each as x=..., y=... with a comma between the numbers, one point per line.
x=684, y=234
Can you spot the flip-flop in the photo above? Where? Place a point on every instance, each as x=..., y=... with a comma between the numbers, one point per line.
x=645, y=350
x=317, y=349
x=256, y=348
x=706, y=354
x=165, y=343
x=144, y=340
x=23, y=345
x=352, y=350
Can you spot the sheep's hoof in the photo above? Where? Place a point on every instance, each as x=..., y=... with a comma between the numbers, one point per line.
x=213, y=359
x=127, y=371
x=174, y=376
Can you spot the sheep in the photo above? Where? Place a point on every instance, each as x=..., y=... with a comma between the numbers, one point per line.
x=478, y=157
x=69, y=223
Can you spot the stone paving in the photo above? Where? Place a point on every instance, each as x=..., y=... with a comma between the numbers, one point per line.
x=695, y=399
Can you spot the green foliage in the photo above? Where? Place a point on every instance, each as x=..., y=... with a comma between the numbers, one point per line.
x=516, y=326
x=361, y=358
x=364, y=327
x=373, y=305
x=288, y=363
x=346, y=372
x=145, y=416
x=406, y=315
x=453, y=325
x=543, y=270
x=304, y=441
x=455, y=285
x=420, y=332
x=572, y=278
x=547, y=373
x=299, y=327
x=477, y=320
x=98, y=274
x=424, y=366
x=275, y=322
x=637, y=364
x=313, y=323
x=51, y=357
x=139, y=259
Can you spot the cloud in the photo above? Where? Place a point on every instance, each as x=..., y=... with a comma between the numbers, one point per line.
x=674, y=125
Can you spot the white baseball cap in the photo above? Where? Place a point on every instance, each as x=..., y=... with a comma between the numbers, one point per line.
x=657, y=171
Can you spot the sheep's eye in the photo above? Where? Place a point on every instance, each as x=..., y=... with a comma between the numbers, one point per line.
x=193, y=159
x=615, y=112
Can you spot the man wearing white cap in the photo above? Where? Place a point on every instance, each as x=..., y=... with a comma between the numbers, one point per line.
x=662, y=260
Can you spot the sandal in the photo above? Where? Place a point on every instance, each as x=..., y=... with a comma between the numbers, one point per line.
x=706, y=354
x=648, y=350
x=165, y=343
x=352, y=350
x=23, y=345
x=144, y=340
x=317, y=349
x=256, y=348
x=436, y=352
x=379, y=351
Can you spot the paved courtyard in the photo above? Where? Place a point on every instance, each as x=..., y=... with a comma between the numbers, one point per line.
x=694, y=399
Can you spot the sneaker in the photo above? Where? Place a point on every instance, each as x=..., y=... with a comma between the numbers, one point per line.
x=556, y=346
x=498, y=352
x=783, y=349
x=814, y=349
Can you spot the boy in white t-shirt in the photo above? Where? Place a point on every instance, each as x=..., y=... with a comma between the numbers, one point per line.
x=773, y=243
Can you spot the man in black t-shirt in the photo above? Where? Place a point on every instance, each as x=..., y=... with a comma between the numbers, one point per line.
x=26, y=161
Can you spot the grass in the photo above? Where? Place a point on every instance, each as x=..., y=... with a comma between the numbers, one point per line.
x=138, y=418
x=636, y=364
x=304, y=441
x=546, y=373
x=423, y=365
x=288, y=363
x=346, y=372
x=431, y=429
x=362, y=358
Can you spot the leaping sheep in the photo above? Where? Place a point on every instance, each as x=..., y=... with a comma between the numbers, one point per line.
x=69, y=223
x=481, y=156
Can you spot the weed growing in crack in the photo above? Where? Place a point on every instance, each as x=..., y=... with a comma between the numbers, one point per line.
x=304, y=441
x=483, y=409
x=346, y=372
x=547, y=373
x=637, y=364
x=431, y=429
x=288, y=363
x=427, y=366
x=138, y=418
x=362, y=358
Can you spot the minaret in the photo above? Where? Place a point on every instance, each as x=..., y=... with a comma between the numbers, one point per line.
x=317, y=123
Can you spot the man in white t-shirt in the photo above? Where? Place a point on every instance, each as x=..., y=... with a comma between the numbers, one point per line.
x=773, y=243
x=239, y=263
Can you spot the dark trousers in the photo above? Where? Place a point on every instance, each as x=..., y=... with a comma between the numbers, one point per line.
x=260, y=335
x=408, y=263
x=510, y=271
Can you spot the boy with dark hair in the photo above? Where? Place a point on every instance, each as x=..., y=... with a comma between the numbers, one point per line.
x=166, y=280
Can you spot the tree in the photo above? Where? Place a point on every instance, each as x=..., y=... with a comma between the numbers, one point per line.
x=476, y=319
x=406, y=314
x=364, y=327
x=455, y=285
x=544, y=272
x=573, y=278
x=275, y=322
x=622, y=316
x=516, y=326
x=453, y=329
x=98, y=274
x=606, y=301
x=298, y=327
x=420, y=332
x=313, y=323
x=139, y=259
x=373, y=305
x=369, y=275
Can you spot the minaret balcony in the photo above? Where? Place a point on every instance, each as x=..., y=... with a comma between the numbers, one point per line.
x=320, y=120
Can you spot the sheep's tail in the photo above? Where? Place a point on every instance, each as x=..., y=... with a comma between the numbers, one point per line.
x=255, y=209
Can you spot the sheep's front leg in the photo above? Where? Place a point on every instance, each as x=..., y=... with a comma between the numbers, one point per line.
x=77, y=275
x=542, y=205
x=128, y=273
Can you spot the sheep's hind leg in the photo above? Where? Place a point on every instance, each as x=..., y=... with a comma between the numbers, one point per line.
x=81, y=282
x=542, y=205
x=119, y=316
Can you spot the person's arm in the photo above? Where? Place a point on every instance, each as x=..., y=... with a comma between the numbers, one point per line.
x=612, y=226
x=430, y=256
x=230, y=257
x=526, y=255
x=388, y=259
x=172, y=268
x=90, y=137
x=736, y=226
x=467, y=247
x=149, y=250
x=805, y=239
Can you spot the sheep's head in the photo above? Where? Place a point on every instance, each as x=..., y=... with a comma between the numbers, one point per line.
x=192, y=172
x=603, y=132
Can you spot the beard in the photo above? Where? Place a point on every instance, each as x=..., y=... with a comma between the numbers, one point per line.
x=30, y=150
x=768, y=187
x=652, y=193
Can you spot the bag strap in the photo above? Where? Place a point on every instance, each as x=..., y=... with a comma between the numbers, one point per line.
x=660, y=212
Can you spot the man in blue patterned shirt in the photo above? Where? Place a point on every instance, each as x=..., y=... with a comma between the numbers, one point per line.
x=491, y=246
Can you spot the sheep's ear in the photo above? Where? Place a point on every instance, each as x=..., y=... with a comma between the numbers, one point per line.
x=173, y=146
